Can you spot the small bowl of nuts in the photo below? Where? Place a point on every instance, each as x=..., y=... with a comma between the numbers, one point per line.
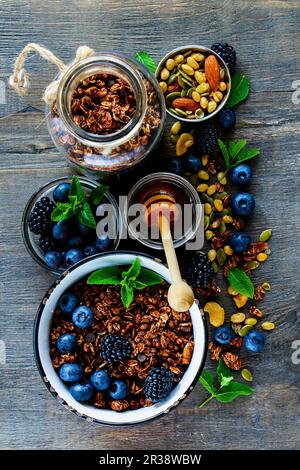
x=195, y=82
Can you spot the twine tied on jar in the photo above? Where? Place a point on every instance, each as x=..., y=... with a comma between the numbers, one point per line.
x=19, y=80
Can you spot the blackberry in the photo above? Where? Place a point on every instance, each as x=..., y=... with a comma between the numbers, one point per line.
x=46, y=244
x=115, y=348
x=227, y=53
x=199, y=271
x=40, y=217
x=206, y=136
x=158, y=384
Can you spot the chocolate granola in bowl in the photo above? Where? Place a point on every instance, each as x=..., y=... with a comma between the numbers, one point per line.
x=129, y=357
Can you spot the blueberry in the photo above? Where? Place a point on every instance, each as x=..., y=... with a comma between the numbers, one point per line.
x=241, y=174
x=242, y=204
x=193, y=163
x=85, y=230
x=82, y=317
x=223, y=335
x=73, y=256
x=102, y=243
x=82, y=391
x=226, y=118
x=71, y=372
x=61, y=192
x=75, y=241
x=118, y=390
x=239, y=242
x=90, y=250
x=175, y=166
x=62, y=230
x=100, y=380
x=68, y=302
x=53, y=259
x=66, y=343
x=254, y=341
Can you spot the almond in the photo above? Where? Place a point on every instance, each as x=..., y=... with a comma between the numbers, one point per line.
x=212, y=71
x=186, y=104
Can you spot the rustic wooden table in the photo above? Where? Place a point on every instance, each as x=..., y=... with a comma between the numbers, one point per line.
x=266, y=36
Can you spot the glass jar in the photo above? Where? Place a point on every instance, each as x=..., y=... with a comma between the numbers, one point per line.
x=109, y=154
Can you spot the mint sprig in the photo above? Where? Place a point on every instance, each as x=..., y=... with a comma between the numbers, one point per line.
x=227, y=390
x=240, y=88
x=136, y=277
x=79, y=204
x=241, y=282
x=146, y=60
x=236, y=152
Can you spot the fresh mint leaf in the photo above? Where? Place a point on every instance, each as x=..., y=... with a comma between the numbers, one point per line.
x=206, y=380
x=138, y=285
x=107, y=275
x=75, y=203
x=235, y=149
x=232, y=391
x=133, y=271
x=225, y=153
x=224, y=374
x=77, y=190
x=150, y=278
x=241, y=282
x=126, y=295
x=63, y=210
x=247, y=154
x=86, y=217
x=240, y=87
x=97, y=194
x=146, y=60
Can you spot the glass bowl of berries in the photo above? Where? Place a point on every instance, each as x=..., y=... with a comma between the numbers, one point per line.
x=70, y=219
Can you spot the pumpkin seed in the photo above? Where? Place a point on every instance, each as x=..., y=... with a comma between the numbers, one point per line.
x=203, y=196
x=266, y=286
x=221, y=257
x=212, y=255
x=251, y=265
x=191, y=116
x=206, y=222
x=187, y=53
x=190, y=92
x=172, y=78
x=182, y=83
x=251, y=321
x=194, y=180
x=246, y=374
x=215, y=267
x=222, y=228
x=183, y=93
x=208, y=234
x=220, y=195
x=174, y=138
x=268, y=251
x=180, y=112
x=171, y=96
x=237, y=317
x=186, y=78
x=265, y=235
x=244, y=330
x=268, y=325
x=223, y=213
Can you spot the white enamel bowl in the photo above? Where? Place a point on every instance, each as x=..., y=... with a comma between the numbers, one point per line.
x=59, y=389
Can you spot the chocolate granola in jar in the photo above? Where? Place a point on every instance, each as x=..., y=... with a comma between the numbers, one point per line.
x=108, y=115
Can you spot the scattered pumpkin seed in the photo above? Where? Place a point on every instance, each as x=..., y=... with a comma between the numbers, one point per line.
x=206, y=222
x=222, y=178
x=221, y=195
x=212, y=255
x=265, y=235
x=237, y=317
x=268, y=251
x=221, y=257
x=215, y=267
x=247, y=375
x=244, y=330
x=171, y=96
x=251, y=321
x=180, y=112
x=172, y=78
x=268, y=325
x=251, y=265
x=183, y=93
x=182, y=83
x=222, y=228
x=186, y=76
x=208, y=234
x=266, y=286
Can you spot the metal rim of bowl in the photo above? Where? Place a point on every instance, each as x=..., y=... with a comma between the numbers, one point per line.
x=196, y=49
x=29, y=206
x=41, y=369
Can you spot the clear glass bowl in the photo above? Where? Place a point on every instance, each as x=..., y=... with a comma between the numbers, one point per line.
x=31, y=240
x=104, y=155
x=177, y=185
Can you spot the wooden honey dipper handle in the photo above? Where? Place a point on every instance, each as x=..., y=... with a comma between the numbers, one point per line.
x=180, y=294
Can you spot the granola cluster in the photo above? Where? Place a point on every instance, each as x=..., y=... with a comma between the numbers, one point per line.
x=103, y=103
x=159, y=336
x=104, y=116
